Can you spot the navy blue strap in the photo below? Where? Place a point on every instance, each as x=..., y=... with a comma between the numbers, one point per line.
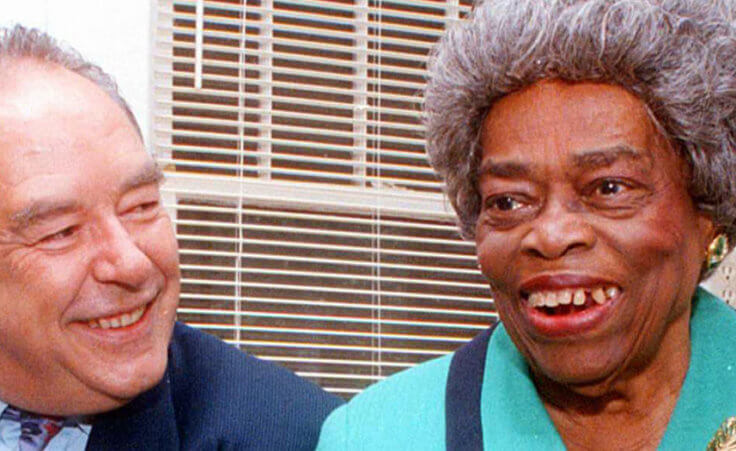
x=462, y=396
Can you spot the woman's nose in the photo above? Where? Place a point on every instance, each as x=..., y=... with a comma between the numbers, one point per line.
x=558, y=231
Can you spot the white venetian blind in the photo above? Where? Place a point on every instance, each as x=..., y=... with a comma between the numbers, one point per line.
x=312, y=230
x=723, y=282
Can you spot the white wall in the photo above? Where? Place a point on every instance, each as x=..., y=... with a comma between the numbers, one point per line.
x=116, y=35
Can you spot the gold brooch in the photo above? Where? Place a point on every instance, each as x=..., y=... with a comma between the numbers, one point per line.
x=725, y=438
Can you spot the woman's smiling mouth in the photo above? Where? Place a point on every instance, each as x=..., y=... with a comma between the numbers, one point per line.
x=570, y=300
x=566, y=304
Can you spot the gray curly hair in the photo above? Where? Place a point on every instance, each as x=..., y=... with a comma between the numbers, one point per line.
x=677, y=56
x=20, y=42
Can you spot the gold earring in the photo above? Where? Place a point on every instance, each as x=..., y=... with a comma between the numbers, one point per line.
x=717, y=251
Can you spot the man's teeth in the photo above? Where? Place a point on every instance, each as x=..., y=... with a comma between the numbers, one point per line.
x=578, y=296
x=122, y=320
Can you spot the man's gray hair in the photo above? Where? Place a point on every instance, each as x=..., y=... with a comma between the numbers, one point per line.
x=677, y=56
x=20, y=42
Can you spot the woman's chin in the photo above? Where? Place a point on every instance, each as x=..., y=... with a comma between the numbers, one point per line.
x=588, y=378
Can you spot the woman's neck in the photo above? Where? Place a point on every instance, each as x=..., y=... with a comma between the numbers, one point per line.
x=631, y=409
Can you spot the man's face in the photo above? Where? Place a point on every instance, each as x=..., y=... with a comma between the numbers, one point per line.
x=89, y=277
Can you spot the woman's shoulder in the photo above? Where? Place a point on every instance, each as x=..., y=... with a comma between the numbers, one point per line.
x=407, y=409
x=709, y=310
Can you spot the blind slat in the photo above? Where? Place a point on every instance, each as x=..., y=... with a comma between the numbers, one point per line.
x=312, y=230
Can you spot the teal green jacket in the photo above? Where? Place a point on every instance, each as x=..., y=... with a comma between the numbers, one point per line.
x=407, y=411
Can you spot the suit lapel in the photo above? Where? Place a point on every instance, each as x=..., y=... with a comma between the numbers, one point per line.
x=462, y=397
x=147, y=422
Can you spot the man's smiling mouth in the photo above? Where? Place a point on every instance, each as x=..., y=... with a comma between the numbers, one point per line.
x=120, y=320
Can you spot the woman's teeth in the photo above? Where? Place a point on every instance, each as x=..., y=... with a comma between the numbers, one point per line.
x=117, y=321
x=570, y=296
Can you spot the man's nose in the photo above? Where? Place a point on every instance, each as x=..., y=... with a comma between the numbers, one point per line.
x=119, y=259
x=558, y=231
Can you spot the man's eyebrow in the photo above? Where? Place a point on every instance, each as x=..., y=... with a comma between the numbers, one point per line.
x=150, y=173
x=43, y=209
x=39, y=211
x=601, y=158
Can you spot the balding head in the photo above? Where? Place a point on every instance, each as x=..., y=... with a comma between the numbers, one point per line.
x=89, y=274
x=19, y=45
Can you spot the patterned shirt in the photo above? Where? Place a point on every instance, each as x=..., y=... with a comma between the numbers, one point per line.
x=72, y=437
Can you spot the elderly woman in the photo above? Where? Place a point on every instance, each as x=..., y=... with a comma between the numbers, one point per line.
x=588, y=148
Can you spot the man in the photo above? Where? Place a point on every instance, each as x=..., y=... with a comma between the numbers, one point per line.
x=89, y=283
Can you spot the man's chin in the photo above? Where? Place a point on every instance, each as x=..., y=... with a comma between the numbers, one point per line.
x=111, y=376
x=113, y=389
x=129, y=386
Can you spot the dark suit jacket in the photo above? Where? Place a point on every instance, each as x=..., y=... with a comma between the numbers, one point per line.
x=215, y=397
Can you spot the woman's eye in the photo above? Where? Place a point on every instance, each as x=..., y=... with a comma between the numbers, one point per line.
x=610, y=188
x=504, y=203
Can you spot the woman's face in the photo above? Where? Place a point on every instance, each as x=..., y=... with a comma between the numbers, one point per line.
x=587, y=234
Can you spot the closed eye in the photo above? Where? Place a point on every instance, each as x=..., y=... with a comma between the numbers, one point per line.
x=146, y=206
x=59, y=238
x=143, y=208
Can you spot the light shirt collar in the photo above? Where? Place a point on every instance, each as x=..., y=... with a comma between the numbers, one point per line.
x=73, y=436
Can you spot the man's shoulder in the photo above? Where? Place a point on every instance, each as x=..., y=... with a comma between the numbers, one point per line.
x=219, y=391
x=407, y=409
x=195, y=352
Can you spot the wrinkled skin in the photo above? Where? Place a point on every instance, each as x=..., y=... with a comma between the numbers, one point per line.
x=83, y=236
x=579, y=187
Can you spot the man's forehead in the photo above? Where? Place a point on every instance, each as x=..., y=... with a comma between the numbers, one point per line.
x=46, y=109
x=30, y=89
x=59, y=129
